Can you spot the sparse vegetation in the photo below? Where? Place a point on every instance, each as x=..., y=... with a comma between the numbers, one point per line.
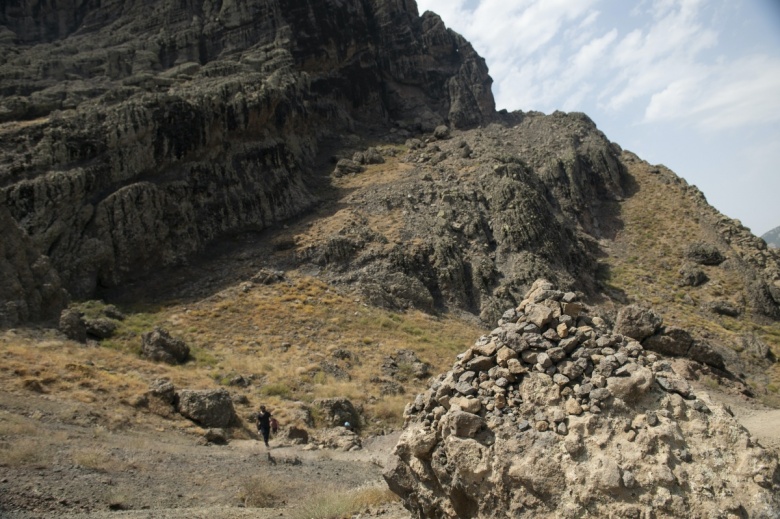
x=343, y=504
x=645, y=258
x=261, y=491
x=22, y=451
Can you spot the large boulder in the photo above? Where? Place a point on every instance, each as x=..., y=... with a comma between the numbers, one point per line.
x=637, y=322
x=339, y=438
x=100, y=327
x=602, y=428
x=160, y=399
x=158, y=345
x=337, y=411
x=671, y=341
x=692, y=276
x=72, y=325
x=211, y=408
x=704, y=254
x=292, y=435
x=722, y=307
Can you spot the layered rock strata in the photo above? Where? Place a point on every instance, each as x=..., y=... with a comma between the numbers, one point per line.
x=553, y=415
x=148, y=129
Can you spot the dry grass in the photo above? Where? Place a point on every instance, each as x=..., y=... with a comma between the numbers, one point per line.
x=14, y=425
x=285, y=333
x=262, y=491
x=23, y=452
x=660, y=221
x=344, y=504
x=389, y=410
x=285, y=338
x=100, y=459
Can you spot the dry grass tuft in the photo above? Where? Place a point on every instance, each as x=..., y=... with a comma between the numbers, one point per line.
x=22, y=452
x=344, y=504
x=261, y=491
x=14, y=425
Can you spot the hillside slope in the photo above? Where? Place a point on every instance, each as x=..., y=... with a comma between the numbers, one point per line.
x=149, y=129
x=772, y=238
x=321, y=201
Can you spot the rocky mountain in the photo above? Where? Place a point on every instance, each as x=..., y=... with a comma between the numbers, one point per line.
x=772, y=238
x=284, y=201
x=359, y=142
x=147, y=129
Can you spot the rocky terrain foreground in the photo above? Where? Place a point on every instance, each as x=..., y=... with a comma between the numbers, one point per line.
x=209, y=205
x=555, y=415
x=548, y=415
x=81, y=470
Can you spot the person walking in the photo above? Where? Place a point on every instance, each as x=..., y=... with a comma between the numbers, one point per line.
x=264, y=424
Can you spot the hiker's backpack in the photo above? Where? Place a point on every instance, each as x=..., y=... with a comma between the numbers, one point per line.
x=274, y=425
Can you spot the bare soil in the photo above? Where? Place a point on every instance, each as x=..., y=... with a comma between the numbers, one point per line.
x=79, y=469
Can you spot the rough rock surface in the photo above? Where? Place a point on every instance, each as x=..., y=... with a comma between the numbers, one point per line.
x=207, y=408
x=161, y=398
x=637, y=322
x=149, y=129
x=337, y=411
x=72, y=325
x=474, y=233
x=569, y=419
x=338, y=438
x=30, y=288
x=160, y=346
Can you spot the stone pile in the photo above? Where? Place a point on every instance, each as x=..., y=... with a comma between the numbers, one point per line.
x=554, y=415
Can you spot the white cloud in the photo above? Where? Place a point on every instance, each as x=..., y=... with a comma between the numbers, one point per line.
x=591, y=55
x=648, y=60
x=684, y=71
x=742, y=92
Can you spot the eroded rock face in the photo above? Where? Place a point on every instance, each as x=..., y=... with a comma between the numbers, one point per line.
x=337, y=411
x=565, y=421
x=476, y=229
x=159, y=345
x=30, y=287
x=207, y=408
x=152, y=128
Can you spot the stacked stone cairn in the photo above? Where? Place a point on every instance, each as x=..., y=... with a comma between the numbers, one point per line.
x=553, y=415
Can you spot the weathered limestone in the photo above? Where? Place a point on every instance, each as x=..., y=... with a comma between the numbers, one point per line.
x=599, y=428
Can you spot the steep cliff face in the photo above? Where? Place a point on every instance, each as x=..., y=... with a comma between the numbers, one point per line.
x=137, y=132
x=31, y=289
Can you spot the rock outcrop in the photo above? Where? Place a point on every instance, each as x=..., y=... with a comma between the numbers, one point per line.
x=473, y=232
x=337, y=411
x=207, y=408
x=158, y=345
x=554, y=415
x=30, y=287
x=148, y=129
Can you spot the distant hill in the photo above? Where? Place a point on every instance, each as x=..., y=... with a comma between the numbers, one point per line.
x=772, y=238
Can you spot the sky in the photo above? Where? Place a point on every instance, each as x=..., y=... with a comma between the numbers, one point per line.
x=690, y=84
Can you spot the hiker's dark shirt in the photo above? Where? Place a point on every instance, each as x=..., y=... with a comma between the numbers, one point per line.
x=264, y=421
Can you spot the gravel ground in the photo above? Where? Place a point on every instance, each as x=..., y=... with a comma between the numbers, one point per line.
x=74, y=469
x=58, y=459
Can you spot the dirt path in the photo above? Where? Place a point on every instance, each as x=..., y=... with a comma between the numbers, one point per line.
x=58, y=459
x=55, y=463
x=761, y=421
